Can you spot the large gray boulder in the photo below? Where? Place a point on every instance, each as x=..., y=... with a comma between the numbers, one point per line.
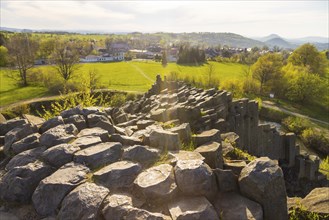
x=317, y=201
x=99, y=132
x=72, y=111
x=141, y=154
x=125, y=140
x=25, y=157
x=58, y=135
x=99, y=155
x=184, y=155
x=78, y=120
x=192, y=208
x=212, y=152
x=83, y=202
x=101, y=121
x=262, y=181
x=122, y=206
x=165, y=140
x=27, y=143
x=17, y=134
x=19, y=183
x=232, y=206
x=157, y=183
x=194, y=177
x=60, y=154
x=206, y=137
x=51, y=190
x=11, y=124
x=87, y=141
x=51, y=123
x=184, y=132
x=118, y=175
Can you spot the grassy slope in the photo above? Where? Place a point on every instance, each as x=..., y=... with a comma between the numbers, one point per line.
x=10, y=92
x=128, y=76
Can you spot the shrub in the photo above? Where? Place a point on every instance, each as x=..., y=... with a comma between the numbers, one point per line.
x=316, y=140
x=324, y=167
x=117, y=100
x=300, y=213
x=234, y=86
x=296, y=124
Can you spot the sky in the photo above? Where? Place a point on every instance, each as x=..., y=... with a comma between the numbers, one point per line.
x=290, y=19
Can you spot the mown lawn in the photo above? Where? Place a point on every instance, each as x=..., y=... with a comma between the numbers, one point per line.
x=10, y=92
x=128, y=76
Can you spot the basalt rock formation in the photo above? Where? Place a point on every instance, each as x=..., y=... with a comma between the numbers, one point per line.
x=132, y=162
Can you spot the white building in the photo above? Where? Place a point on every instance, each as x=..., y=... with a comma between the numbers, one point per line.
x=120, y=56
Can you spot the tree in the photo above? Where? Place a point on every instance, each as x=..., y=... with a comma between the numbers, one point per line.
x=210, y=72
x=66, y=58
x=267, y=68
x=46, y=48
x=308, y=56
x=3, y=56
x=306, y=87
x=164, y=60
x=22, y=51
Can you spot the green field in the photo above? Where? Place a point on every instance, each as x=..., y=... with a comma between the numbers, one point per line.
x=126, y=76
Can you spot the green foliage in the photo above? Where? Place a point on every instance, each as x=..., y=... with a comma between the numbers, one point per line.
x=296, y=124
x=315, y=139
x=300, y=213
x=272, y=114
x=3, y=56
x=303, y=86
x=188, y=146
x=234, y=86
x=68, y=101
x=238, y=154
x=308, y=56
x=324, y=167
x=191, y=55
x=22, y=50
x=267, y=69
x=117, y=100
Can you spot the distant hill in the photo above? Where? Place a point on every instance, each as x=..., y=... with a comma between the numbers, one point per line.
x=269, y=37
x=279, y=42
x=310, y=40
x=215, y=39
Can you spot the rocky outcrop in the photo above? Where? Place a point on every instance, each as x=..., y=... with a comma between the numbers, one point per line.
x=83, y=202
x=231, y=205
x=19, y=183
x=157, y=183
x=58, y=135
x=163, y=156
x=317, y=201
x=99, y=155
x=194, y=177
x=118, y=175
x=192, y=209
x=262, y=181
x=50, y=192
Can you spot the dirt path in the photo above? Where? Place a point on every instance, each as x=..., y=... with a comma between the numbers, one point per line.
x=273, y=106
x=29, y=101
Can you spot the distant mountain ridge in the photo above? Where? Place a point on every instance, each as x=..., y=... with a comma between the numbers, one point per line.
x=212, y=39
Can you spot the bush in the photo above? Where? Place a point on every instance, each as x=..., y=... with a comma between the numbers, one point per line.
x=316, y=140
x=234, y=86
x=324, y=167
x=296, y=124
x=250, y=86
x=117, y=100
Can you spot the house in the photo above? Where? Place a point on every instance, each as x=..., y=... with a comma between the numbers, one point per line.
x=120, y=56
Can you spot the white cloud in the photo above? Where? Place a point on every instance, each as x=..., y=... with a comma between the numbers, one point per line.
x=288, y=18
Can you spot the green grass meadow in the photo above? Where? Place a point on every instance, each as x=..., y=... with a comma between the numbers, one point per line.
x=127, y=76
